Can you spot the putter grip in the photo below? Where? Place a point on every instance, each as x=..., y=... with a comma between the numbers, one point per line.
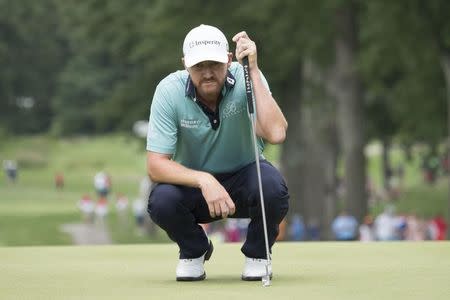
x=248, y=85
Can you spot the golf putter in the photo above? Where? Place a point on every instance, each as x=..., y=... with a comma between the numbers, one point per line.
x=249, y=92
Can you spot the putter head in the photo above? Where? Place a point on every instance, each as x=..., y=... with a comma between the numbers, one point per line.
x=266, y=278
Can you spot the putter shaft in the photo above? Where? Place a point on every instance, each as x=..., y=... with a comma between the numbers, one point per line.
x=250, y=99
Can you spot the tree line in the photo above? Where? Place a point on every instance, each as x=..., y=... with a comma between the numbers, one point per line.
x=344, y=72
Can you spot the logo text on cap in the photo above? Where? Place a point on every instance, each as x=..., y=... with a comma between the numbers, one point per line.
x=204, y=42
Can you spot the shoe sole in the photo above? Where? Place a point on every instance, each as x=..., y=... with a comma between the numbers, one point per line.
x=202, y=277
x=254, y=278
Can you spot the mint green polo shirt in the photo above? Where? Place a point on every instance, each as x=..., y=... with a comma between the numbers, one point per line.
x=178, y=125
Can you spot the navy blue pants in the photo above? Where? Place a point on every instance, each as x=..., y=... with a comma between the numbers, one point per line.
x=179, y=209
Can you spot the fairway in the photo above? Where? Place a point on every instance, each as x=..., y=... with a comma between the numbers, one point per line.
x=324, y=270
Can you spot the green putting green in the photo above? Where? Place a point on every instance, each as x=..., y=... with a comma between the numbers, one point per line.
x=328, y=270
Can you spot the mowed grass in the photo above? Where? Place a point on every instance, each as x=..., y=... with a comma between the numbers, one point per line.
x=326, y=270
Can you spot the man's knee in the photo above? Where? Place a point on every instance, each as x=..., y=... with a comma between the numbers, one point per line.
x=163, y=202
x=275, y=192
x=277, y=205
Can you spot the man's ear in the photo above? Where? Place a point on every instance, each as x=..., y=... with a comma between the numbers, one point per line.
x=182, y=61
x=230, y=59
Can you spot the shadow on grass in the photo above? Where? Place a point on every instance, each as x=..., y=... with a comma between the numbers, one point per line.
x=236, y=279
x=277, y=279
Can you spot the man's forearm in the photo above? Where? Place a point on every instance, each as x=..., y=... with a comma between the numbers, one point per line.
x=271, y=123
x=169, y=171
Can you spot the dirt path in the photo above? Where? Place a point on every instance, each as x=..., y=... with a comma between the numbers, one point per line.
x=87, y=234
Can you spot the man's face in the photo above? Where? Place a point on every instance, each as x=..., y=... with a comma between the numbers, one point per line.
x=208, y=78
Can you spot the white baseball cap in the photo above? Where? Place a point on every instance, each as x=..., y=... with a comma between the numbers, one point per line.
x=203, y=43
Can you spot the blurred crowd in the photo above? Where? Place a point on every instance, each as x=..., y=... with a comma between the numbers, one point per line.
x=96, y=211
x=387, y=226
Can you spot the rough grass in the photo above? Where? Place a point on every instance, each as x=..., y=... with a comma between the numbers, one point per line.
x=32, y=211
x=301, y=271
x=425, y=200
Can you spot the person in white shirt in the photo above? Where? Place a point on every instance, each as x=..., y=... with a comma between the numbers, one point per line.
x=366, y=232
x=385, y=225
x=102, y=184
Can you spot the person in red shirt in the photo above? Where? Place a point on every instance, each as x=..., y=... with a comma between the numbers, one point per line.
x=440, y=226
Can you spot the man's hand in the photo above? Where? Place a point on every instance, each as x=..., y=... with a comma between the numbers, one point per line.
x=246, y=47
x=217, y=198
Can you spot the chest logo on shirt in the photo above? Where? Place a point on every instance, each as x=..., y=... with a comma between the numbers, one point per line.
x=189, y=123
x=232, y=109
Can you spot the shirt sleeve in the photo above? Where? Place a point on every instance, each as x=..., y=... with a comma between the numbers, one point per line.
x=162, y=125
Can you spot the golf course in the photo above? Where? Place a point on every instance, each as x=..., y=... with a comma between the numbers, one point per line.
x=132, y=132
x=324, y=270
x=39, y=261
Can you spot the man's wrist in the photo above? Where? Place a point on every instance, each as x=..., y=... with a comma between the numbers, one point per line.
x=201, y=179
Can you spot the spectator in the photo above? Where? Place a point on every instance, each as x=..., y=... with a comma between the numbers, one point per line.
x=439, y=228
x=345, y=227
x=86, y=206
x=416, y=228
x=430, y=168
x=297, y=229
x=139, y=206
x=10, y=167
x=385, y=226
x=59, y=181
x=243, y=226
x=313, y=228
x=102, y=184
x=101, y=211
x=232, y=231
x=122, y=208
x=145, y=186
x=401, y=227
x=366, y=230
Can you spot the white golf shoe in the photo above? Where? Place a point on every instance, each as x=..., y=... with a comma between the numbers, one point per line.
x=255, y=269
x=192, y=269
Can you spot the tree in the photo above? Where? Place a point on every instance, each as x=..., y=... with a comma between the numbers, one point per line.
x=417, y=34
x=348, y=92
x=31, y=56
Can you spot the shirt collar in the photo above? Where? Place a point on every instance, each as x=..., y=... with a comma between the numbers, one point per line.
x=190, y=88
